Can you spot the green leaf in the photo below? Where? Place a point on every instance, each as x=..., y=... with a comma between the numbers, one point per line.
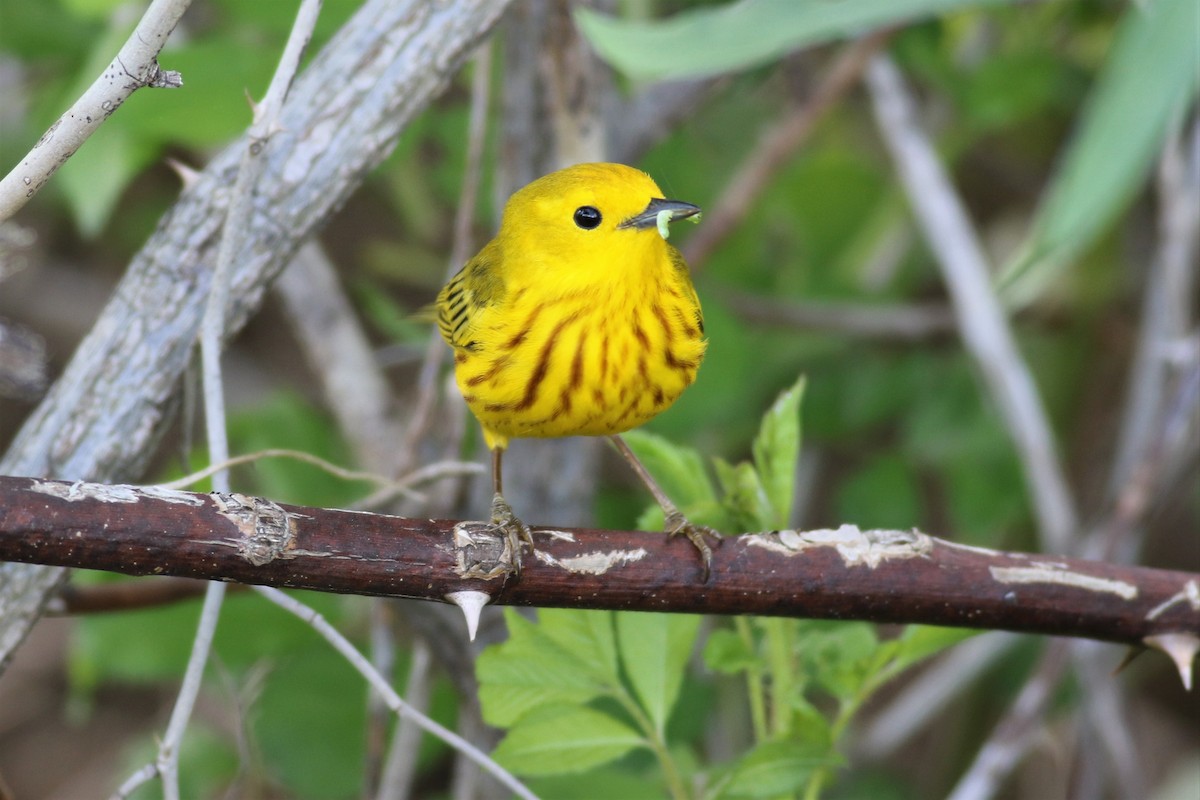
x=919, y=642
x=738, y=35
x=555, y=740
x=655, y=650
x=589, y=636
x=776, y=768
x=532, y=670
x=93, y=180
x=309, y=724
x=745, y=497
x=602, y=782
x=728, y=653
x=1150, y=78
x=776, y=450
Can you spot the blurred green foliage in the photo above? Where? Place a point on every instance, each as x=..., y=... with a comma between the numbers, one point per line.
x=1048, y=116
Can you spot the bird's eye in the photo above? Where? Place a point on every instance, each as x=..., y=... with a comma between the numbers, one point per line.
x=587, y=217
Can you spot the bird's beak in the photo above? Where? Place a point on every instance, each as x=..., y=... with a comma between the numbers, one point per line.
x=660, y=212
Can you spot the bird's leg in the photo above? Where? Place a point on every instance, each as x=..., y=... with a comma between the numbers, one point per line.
x=515, y=531
x=675, y=523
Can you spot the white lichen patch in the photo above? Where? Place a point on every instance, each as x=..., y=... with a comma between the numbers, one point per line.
x=983, y=551
x=1059, y=574
x=79, y=490
x=113, y=493
x=594, y=563
x=855, y=546
x=1190, y=594
x=173, y=496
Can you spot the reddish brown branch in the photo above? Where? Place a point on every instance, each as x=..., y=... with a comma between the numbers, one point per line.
x=125, y=596
x=881, y=576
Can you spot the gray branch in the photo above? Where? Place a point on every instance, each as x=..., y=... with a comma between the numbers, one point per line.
x=135, y=66
x=103, y=417
x=981, y=320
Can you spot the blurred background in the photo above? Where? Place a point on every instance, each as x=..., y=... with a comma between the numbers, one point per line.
x=809, y=262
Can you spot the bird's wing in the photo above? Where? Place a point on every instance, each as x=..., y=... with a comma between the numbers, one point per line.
x=466, y=299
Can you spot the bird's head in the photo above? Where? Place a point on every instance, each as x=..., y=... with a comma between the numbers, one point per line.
x=590, y=218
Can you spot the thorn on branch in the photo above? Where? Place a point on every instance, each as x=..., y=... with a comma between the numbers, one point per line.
x=1181, y=648
x=471, y=603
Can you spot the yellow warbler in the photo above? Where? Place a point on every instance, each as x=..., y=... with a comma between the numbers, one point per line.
x=577, y=319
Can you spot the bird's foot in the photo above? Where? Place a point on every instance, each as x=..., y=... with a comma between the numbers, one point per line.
x=516, y=533
x=676, y=524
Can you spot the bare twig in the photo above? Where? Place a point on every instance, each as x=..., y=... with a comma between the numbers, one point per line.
x=400, y=769
x=654, y=112
x=389, y=488
x=891, y=322
x=1169, y=286
x=776, y=146
x=940, y=683
x=22, y=362
x=336, y=347
x=124, y=596
x=1013, y=736
x=167, y=762
x=135, y=67
x=464, y=215
x=393, y=700
x=981, y=320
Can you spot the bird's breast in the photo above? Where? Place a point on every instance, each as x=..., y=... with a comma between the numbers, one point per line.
x=582, y=363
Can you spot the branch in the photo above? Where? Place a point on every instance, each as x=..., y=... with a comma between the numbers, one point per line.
x=101, y=419
x=880, y=575
x=135, y=66
x=777, y=145
x=895, y=322
x=985, y=330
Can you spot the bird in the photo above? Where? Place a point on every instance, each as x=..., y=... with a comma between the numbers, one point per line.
x=577, y=319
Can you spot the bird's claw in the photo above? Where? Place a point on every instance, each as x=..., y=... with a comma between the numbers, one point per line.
x=516, y=533
x=676, y=524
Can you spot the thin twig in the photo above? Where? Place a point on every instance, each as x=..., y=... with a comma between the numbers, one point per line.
x=430, y=472
x=776, y=146
x=460, y=249
x=938, y=684
x=135, y=67
x=167, y=761
x=135, y=782
x=891, y=322
x=382, y=649
x=337, y=349
x=212, y=331
x=1169, y=286
x=393, y=700
x=400, y=766
x=1013, y=735
x=389, y=487
x=985, y=331
x=149, y=592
